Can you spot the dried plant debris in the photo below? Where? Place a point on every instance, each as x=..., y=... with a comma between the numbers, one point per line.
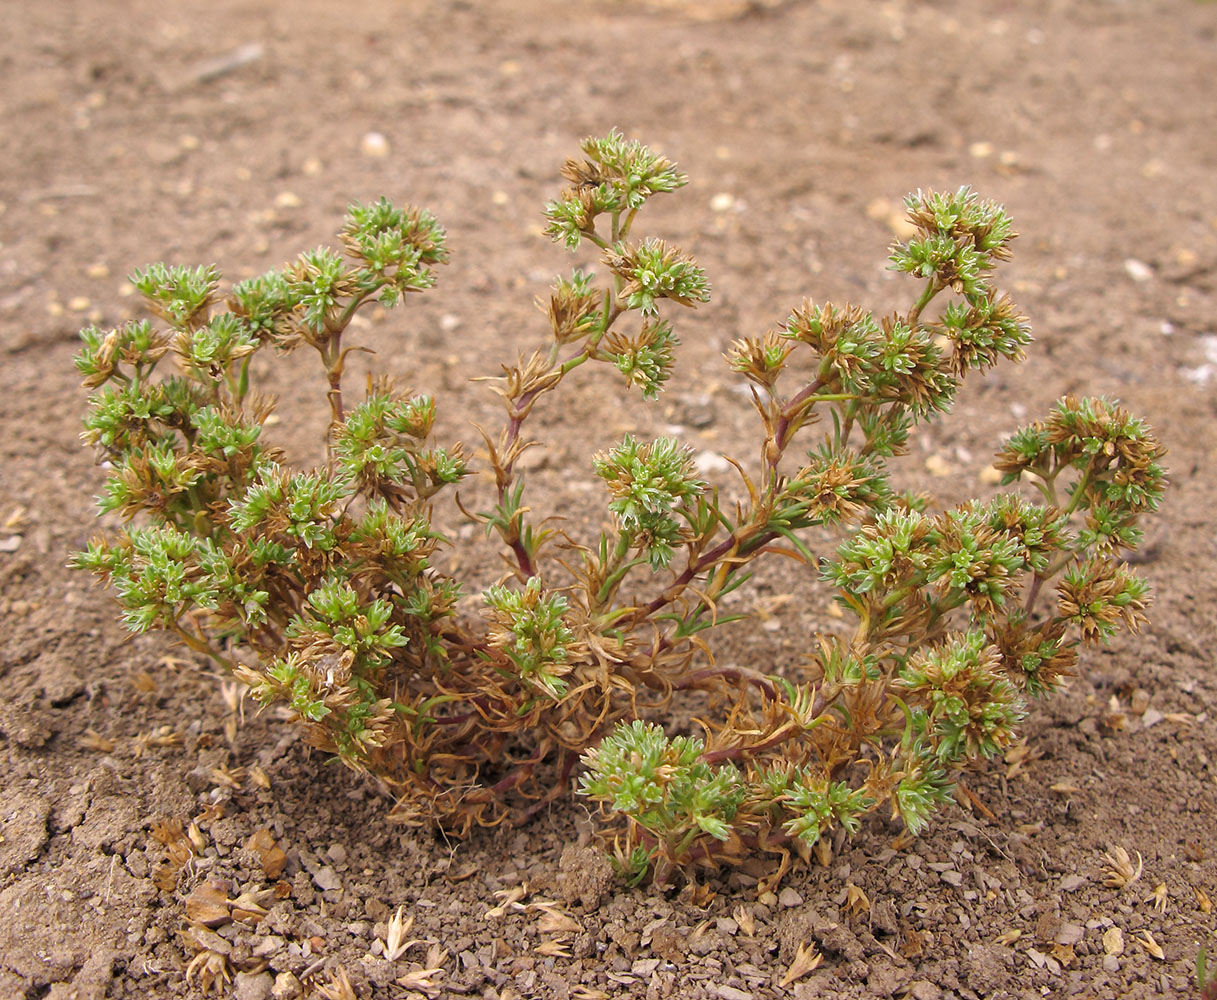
x=324, y=591
x=1120, y=872
x=396, y=940
x=806, y=960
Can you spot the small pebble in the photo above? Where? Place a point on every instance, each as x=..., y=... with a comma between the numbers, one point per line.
x=287, y=987
x=936, y=465
x=789, y=897
x=254, y=986
x=979, y=150
x=374, y=144
x=1070, y=934
x=722, y=202
x=287, y=199
x=1111, y=963
x=710, y=462
x=1138, y=270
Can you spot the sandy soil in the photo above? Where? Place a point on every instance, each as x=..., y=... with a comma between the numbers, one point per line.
x=236, y=132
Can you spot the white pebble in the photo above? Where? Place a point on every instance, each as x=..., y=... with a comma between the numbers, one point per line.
x=1138, y=270
x=374, y=144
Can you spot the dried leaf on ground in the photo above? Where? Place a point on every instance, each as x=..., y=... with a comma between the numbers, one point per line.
x=93, y=740
x=426, y=978
x=339, y=987
x=1120, y=871
x=556, y=922
x=395, y=941
x=806, y=960
x=207, y=904
x=212, y=969
x=1146, y=941
x=272, y=856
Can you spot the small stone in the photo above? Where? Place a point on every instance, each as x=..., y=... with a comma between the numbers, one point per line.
x=936, y=465
x=1070, y=934
x=980, y=150
x=923, y=989
x=78, y=304
x=1139, y=701
x=711, y=462
x=254, y=986
x=337, y=854
x=1071, y=882
x=326, y=879
x=951, y=877
x=990, y=476
x=97, y=271
x=287, y=987
x=1111, y=963
x=1138, y=270
x=287, y=199
x=10, y=544
x=731, y=993
x=500, y=197
x=311, y=166
x=789, y=898
x=892, y=215
x=1151, y=717
x=722, y=202
x=374, y=144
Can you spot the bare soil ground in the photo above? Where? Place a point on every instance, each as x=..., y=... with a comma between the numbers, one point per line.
x=801, y=124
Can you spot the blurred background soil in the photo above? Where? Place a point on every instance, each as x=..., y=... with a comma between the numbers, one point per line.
x=237, y=132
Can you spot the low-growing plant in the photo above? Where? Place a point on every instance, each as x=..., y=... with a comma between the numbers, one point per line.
x=320, y=590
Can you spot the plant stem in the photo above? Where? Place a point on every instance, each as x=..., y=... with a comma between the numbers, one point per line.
x=932, y=288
